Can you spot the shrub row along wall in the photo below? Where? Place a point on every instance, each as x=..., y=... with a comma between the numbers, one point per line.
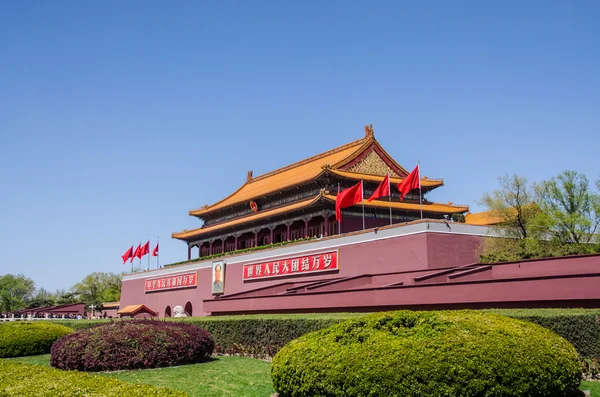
x=581, y=327
x=263, y=335
x=21, y=380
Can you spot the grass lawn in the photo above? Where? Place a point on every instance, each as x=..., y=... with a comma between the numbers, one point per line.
x=222, y=376
x=593, y=387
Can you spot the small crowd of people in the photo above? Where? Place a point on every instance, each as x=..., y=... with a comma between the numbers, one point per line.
x=51, y=316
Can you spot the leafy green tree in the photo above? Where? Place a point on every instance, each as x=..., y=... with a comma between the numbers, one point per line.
x=514, y=205
x=15, y=292
x=98, y=287
x=42, y=298
x=557, y=217
x=570, y=208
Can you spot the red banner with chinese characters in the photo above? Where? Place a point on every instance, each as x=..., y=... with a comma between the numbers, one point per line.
x=314, y=263
x=171, y=282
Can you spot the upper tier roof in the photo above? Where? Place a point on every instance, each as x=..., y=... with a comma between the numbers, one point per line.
x=308, y=169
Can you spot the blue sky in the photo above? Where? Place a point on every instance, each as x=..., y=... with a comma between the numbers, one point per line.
x=116, y=118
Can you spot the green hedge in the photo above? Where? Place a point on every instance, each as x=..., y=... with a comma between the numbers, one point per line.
x=263, y=335
x=20, y=338
x=434, y=353
x=21, y=380
x=581, y=327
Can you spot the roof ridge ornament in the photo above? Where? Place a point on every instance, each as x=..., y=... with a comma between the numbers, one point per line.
x=369, y=131
x=249, y=177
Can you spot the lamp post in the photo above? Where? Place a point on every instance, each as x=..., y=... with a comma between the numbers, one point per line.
x=92, y=307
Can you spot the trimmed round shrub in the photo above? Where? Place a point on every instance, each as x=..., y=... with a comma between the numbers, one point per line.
x=132, y=344
x=444, y=353
x=21, y=380
x=28, y=338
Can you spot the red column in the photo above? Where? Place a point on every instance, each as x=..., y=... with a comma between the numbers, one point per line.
x=306, y=228
x=256, y=239
x=222, y=245
x=235, y=243
x=326, y=224
x=287, y=234
x=189, y=252
x=210, y=247
x=271, y=237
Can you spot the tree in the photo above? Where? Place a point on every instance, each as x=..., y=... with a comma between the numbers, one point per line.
x=97, y=288
x=42, y=298
x=514, y=205
x=557, y=217
x=15, y=292
x=570, y=208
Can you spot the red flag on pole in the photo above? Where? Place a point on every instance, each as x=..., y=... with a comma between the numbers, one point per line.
x=383, y=190
x=412, y=181
x=145, y=249
x=136, y=253
x=347, y=198
x=128, y=254
x=155, y=251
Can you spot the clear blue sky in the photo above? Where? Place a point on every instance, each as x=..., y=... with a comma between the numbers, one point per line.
x=116, y=118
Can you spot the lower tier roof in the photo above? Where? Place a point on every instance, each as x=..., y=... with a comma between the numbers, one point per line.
x=437, y=208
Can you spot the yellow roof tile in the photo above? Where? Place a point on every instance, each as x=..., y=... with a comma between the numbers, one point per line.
x=252, y=217
x=131, y=309
x=425, y=182
x=293, y=174
x=484, y=218
x=433, y=207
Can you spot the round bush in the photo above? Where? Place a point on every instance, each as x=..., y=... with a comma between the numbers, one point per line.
x=444, y=353
x=132, y=344
x=28, y=338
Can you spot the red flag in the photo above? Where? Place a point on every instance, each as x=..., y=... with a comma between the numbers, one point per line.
x=155, y=252
x=127, y=254
x=347, y=198
x=136, y=253
x=383, y=190
x=412, y=181
x=145, y=249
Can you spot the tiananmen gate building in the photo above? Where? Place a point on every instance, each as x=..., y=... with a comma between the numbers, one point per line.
x=274, y=245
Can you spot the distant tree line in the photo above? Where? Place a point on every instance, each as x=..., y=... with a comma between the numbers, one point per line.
x=19, y=292
x=555, y=217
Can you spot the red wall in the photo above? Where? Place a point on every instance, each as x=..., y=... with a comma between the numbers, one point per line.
x=397, y=254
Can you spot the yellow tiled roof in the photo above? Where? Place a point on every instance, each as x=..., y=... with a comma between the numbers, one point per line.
x=252, y=217
x=433, y=207
x=425, y=182
x=485, y=218
x=293, y=174
x=132, y=309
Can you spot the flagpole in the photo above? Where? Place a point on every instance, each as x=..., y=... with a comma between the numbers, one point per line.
x=148, y=254
x=420, y=193
x=339, y=222
x=362, y=196
x=158, y=251
x=390, y=196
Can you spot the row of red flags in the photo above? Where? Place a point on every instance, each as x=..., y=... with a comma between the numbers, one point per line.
x=139, y=252
x=354, y=195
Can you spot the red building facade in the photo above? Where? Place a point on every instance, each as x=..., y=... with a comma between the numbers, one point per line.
x=421, y=265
